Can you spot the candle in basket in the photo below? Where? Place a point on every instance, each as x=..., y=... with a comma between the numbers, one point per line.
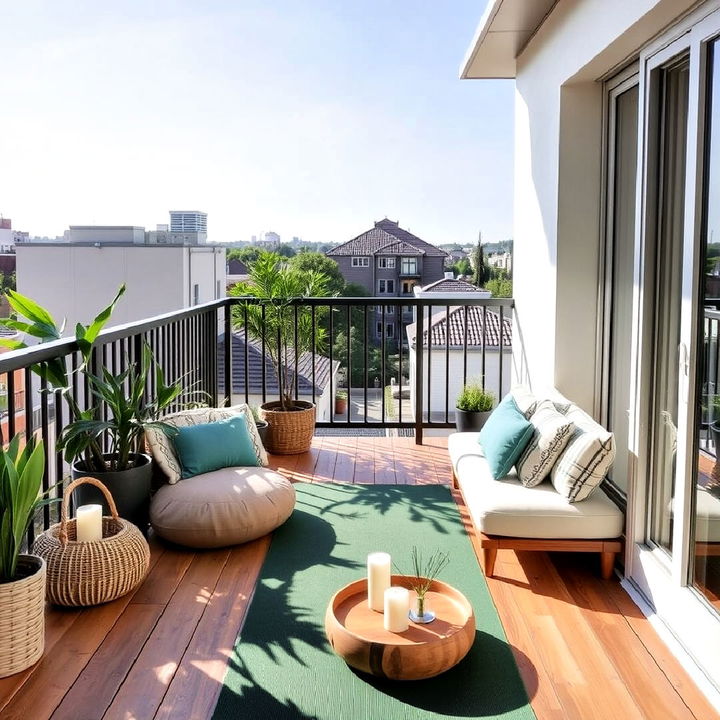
x=397, y=604
x=378, y=567
x=88, y=520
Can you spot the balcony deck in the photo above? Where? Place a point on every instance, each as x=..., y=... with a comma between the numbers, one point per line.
x=585, y=650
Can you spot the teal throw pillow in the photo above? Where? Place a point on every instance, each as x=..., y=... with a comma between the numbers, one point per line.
x=504, y=436
x=211, y=446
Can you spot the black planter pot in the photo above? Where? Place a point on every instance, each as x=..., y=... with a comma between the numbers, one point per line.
x=467, y=421
x=130, y=490
x=262, y=428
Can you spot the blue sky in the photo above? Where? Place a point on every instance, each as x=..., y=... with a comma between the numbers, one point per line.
x=309, y=118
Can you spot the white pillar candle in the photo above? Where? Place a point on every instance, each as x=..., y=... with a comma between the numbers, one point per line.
x=378, y=569
x=397, y=605
x=88, y=523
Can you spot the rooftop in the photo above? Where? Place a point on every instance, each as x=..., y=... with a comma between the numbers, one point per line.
x=386, y=238
x=481, y=323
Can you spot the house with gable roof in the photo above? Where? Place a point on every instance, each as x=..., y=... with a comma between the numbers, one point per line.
x=389, y=261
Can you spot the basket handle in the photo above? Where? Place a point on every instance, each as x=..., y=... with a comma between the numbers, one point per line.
x=66, y=502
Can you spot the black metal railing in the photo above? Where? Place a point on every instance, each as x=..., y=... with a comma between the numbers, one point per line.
x=394, y=374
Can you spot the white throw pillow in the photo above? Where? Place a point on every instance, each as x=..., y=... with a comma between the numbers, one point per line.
x=162, y=448
x=552, y=433
x=586, y=460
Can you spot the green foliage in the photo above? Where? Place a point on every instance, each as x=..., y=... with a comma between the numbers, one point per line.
x=7, y=282
x=277, y=283
x=319, y=263
x=501, y=285
x=129, y=413
x=390, y=407
x=474, y=398
x=354, y=290
x=341, y=395
x=357, y=358
x=246, y=255
x=482, y=272
x=423, y=572
x=285, y=250
x=462, y=267
x=21, y=474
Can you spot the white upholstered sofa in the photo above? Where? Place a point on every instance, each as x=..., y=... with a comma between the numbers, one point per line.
x=507, y=514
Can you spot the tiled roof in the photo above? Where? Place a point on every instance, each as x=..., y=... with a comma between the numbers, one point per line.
x=447, y=285
x=384, y=234
x=398, y=247
x=236, y=267
x=255, y=365
x=458, y=332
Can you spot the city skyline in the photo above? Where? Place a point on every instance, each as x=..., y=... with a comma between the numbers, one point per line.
x=312, y=122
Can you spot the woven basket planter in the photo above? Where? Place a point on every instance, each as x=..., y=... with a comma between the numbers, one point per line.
x=22, y=617
x=90, y=573
x=290, y=431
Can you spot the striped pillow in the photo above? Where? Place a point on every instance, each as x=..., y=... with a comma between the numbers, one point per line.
x=552, y=433
x=586, y=460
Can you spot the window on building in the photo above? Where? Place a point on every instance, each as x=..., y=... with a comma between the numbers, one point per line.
x=386, y=286
x=360, y=262
x=378, y=329
x=390, y=330
x=409, y=266
x=389, y=309
x=386, y=263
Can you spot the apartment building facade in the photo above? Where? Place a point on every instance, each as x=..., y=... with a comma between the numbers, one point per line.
x=389, y=261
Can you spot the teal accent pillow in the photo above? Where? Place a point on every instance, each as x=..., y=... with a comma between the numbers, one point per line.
x=211, y=446
x=504, y=436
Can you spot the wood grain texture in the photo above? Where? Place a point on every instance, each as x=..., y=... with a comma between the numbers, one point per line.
x=583, y=648
x=357, y=635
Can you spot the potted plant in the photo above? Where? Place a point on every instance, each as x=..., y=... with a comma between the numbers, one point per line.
x=261, y=425
x=122, y=468
x=103, y=447
x=286, y=330
x=473, y=407
x=341, y=402
x=22, y=577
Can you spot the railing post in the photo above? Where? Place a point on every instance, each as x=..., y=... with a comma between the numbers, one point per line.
x=227, y=353
x=419, y=374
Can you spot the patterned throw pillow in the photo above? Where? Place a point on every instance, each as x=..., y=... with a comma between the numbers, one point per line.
x=586, y=460
x=163, y=450
x=552, y=433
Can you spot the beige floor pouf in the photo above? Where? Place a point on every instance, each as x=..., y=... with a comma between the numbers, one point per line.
x=224, y=507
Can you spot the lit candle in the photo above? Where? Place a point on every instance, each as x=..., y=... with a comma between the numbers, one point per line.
x=378, y=568
x=397, y=605
x=88, y=519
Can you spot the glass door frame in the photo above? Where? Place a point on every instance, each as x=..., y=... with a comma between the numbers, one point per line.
x=664, y=580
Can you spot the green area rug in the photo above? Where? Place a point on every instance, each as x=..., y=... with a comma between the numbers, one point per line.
x=283, y=666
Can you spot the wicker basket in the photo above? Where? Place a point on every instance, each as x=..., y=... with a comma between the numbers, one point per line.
x=22, y=619
x=290, y=431
x=90, y=573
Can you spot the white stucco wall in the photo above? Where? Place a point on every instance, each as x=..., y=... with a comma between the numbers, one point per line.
x=558, y=188
x=438, y=378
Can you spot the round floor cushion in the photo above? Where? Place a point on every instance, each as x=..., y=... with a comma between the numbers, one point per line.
x=224, y=507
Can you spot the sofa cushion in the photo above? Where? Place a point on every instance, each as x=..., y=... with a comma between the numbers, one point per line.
x=586, y=460
x=162, y=448
x=504, y=436
x=224, y=507
x=552, y=431
x=506, y=507
x=213, y=446
x=524, y=399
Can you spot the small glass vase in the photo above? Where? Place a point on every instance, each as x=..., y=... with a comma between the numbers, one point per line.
x=419, y=611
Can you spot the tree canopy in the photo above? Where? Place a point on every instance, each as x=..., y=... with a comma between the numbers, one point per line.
x=319, y=263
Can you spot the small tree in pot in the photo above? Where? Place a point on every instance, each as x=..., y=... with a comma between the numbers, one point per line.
x=287, y=330
x=473, y=407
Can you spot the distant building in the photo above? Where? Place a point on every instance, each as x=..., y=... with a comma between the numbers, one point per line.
x=76, y=280
x=188, y=221
x=9, y=237
x=272, y=238
x=389, y=262
x=501, y=260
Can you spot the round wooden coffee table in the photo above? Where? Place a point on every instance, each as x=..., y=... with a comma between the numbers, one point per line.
x=356, y=633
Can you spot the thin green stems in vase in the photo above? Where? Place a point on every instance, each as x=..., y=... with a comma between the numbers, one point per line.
x=424, y=573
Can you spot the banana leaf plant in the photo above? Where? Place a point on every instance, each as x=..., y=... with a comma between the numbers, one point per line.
x=21, y=474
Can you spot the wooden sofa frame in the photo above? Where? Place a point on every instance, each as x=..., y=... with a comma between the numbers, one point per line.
x=490, y=544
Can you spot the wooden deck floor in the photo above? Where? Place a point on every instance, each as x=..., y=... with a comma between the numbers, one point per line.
x=583, y=648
